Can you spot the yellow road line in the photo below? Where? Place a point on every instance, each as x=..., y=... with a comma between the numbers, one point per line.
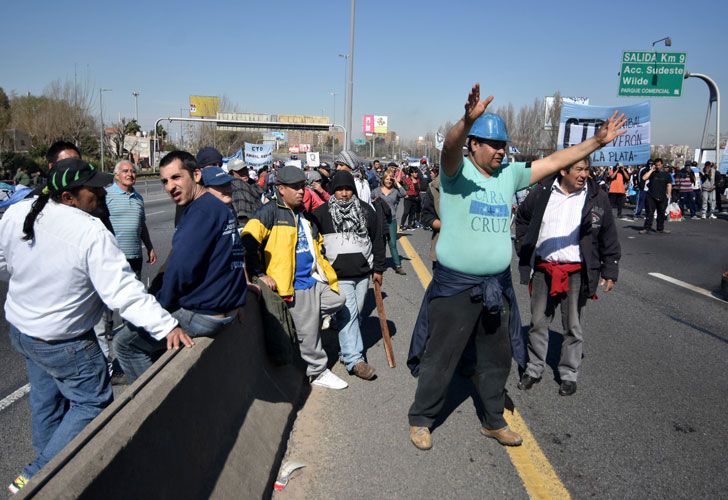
x=535, y=470
x=422, y=272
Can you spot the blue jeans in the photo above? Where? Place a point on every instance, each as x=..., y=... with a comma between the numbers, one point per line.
x=69, y=386
x=393, y=242
x=640, y=203
x=136, y=350
x=350, y=342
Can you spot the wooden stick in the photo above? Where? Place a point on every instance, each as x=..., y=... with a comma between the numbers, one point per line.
x=383, y=325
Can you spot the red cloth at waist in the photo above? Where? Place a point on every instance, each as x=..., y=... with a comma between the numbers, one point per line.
x=559, y=274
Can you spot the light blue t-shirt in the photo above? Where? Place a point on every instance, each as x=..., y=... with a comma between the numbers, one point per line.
x=126, y=212
x=475, y=212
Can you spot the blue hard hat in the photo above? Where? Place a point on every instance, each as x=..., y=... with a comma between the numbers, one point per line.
x=490, y=126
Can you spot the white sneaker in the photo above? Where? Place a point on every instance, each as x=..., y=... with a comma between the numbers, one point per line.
x=330, y=381
x=702, y=216
x=712, y=216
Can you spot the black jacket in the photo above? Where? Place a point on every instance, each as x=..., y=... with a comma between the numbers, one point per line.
x=349, y=257
x=598, y=239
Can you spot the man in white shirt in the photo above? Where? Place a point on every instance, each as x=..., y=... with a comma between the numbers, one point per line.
x=567, y=241
x=53, y=307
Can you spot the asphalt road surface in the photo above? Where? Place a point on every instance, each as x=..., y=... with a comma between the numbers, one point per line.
x=647, y=421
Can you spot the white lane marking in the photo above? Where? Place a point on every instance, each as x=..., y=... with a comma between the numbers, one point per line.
x=696, y=289
x=12, y=398
x=155, y=213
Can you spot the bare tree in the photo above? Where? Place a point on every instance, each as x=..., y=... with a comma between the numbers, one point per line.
x=77, y=98
x=554, y=119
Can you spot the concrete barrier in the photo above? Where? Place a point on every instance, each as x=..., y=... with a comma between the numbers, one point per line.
x=211, y=421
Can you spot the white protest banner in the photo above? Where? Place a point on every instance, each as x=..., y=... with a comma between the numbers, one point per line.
x=723, y=165
x=579, y=122
x=312, y=159
x=258, y=154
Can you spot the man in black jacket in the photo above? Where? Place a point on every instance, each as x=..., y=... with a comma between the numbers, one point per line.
x=355, y=247
x=566, y=240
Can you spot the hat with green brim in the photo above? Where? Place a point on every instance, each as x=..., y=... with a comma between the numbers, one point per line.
x=74, y=173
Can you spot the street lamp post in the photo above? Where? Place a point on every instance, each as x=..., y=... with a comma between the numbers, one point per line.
x=667, y=40
x=350, y=87
x=333, y=121
x=714, y=96
x=101, y=115
x=136, y=106
x=346, y=99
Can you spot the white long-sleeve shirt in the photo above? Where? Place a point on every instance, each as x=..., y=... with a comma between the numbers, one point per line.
x=558, y=239
x=59, y=284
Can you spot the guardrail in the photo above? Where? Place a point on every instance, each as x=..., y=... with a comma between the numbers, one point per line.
x=207, y=422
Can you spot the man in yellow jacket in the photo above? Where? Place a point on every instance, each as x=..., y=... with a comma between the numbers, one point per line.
x=284, y=250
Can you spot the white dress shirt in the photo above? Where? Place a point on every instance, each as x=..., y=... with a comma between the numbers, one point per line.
x=60, y=283
x=558, y=239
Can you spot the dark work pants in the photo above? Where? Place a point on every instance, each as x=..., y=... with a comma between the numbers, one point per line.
x=452, y=321
x=616, y=200
x=719, y=200
x=136, y=266
x=410, y=211
x=655, y=205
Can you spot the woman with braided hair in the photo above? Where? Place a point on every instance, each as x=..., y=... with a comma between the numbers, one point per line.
x=355, y=247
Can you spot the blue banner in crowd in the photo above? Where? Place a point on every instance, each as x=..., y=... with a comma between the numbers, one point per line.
x=237, y=155
x=579, y=122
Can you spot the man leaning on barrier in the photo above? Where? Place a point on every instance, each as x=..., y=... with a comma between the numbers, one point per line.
x=204, y=282
x=53, y=307
x=472, y=292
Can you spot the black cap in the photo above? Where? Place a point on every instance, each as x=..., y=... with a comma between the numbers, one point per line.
x=208, y=156
x=74, y=172
x=342, y=178
x=290, y=175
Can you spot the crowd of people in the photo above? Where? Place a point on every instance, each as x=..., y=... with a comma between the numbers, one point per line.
x=313, y=239
x=310, y=241
x=697, y=191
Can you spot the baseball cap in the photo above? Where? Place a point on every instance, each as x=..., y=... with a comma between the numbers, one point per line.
x=215, y=176
x=208, y=156
x=235, y=164
x=74, y=172
x=290, y=175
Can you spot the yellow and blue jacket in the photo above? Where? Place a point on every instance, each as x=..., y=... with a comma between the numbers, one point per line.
x=273, y=232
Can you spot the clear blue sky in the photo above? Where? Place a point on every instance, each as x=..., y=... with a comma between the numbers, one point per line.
x=414, y=61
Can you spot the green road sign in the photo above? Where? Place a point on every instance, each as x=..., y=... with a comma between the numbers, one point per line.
x=652, y=74
x=360, y=142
